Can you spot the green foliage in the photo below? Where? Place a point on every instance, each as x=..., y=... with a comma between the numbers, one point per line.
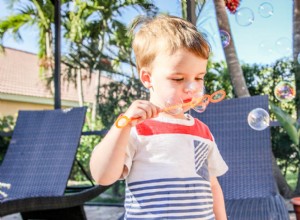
x=87, y=144
x=261, y=80
x=290, y=125
x=284, y=151
x=7, y=124
x=98, y=39
x=291, y=177
x=116, y=97
x=217, y=78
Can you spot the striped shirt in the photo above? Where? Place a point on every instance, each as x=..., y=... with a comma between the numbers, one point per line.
x=169, y=163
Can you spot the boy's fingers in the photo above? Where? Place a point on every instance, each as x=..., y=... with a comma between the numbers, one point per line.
x=141, y=110
x=155, y=111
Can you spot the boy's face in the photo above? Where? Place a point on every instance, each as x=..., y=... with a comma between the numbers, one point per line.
x=175, y=78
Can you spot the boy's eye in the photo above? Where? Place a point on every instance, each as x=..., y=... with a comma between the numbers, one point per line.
x=199, y=79
x=177, y=79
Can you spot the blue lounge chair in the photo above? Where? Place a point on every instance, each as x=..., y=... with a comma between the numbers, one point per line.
x=249, y=186
x=38, y=163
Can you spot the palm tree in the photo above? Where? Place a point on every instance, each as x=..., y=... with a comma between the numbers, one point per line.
x=235, y=70
x=37, y=13
x=296, y=54
x=234, y=67
x=296, y=50
x=95, y=32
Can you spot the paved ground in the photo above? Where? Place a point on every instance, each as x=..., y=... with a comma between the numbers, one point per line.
x=92, y=212
x=106, y=213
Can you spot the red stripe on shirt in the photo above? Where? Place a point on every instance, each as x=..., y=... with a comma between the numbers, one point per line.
x=153, y=127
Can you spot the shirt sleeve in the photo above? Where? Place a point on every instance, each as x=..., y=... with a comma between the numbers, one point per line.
x=130, y=152
x=216, y=164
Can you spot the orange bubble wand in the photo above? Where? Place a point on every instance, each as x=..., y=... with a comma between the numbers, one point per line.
x=217, y=96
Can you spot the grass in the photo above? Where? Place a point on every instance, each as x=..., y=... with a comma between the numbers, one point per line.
x=291, y=178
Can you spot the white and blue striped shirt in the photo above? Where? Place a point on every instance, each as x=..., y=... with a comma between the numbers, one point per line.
x=169, y=163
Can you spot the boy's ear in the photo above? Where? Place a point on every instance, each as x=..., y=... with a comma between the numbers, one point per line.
x=145, y=78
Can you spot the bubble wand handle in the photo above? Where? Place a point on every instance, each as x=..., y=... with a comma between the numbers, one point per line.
x=217, y=96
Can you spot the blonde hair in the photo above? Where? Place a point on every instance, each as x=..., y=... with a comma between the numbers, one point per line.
x=168, y=34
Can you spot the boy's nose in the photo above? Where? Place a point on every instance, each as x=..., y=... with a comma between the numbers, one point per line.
x=190, y=87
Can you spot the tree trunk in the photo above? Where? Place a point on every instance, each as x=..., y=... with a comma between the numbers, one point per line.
x=49, y=54
x=234, y=67
x=296, y=52
x=284, y=189
x=96, y=98
x=191, y=11
x=79, y=86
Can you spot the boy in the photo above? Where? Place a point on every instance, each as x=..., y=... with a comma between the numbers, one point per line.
x=170, y=161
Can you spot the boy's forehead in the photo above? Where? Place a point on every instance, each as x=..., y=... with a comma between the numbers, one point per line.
x=180, y=63
x=181, y=55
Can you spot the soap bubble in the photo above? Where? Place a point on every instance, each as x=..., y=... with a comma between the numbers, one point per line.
x=285, y=91
x=173, y=106
x=266, y=10
x=283, y=46
x=225, y=38
x=202, y=103
x=258, y=119
x=266, y=48
x=244, y=16
x=197, y=97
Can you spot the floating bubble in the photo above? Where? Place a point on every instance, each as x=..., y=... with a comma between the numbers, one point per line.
x=258, y=119
x=225, y=38
x=202, y=103
x=298, y=58
x=284, y=46
x=196, y=99
x=285, y=91
x=266, y=10
x=244, y=16
x=266, y=48
x=173, y=106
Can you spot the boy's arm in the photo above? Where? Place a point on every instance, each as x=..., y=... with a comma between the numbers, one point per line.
x=108, y=157
x=218, y=199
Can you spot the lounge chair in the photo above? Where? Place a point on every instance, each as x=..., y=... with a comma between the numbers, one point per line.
x=249, y=186
x=38, y=163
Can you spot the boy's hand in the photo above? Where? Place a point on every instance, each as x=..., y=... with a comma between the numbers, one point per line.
x=141, y=110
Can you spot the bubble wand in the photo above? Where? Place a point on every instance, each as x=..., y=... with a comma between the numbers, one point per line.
x=202, y=101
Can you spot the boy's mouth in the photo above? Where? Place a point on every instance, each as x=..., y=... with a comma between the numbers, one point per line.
x=187, y=100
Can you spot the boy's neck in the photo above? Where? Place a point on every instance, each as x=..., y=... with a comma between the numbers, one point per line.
x=180, y=116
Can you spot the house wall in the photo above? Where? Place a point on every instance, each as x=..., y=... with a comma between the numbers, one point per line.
x=12, y=108
x=11, y=104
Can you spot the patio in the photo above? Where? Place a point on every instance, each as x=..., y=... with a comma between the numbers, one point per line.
x=110, y=212
x=113, y=213
x=92, y=212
